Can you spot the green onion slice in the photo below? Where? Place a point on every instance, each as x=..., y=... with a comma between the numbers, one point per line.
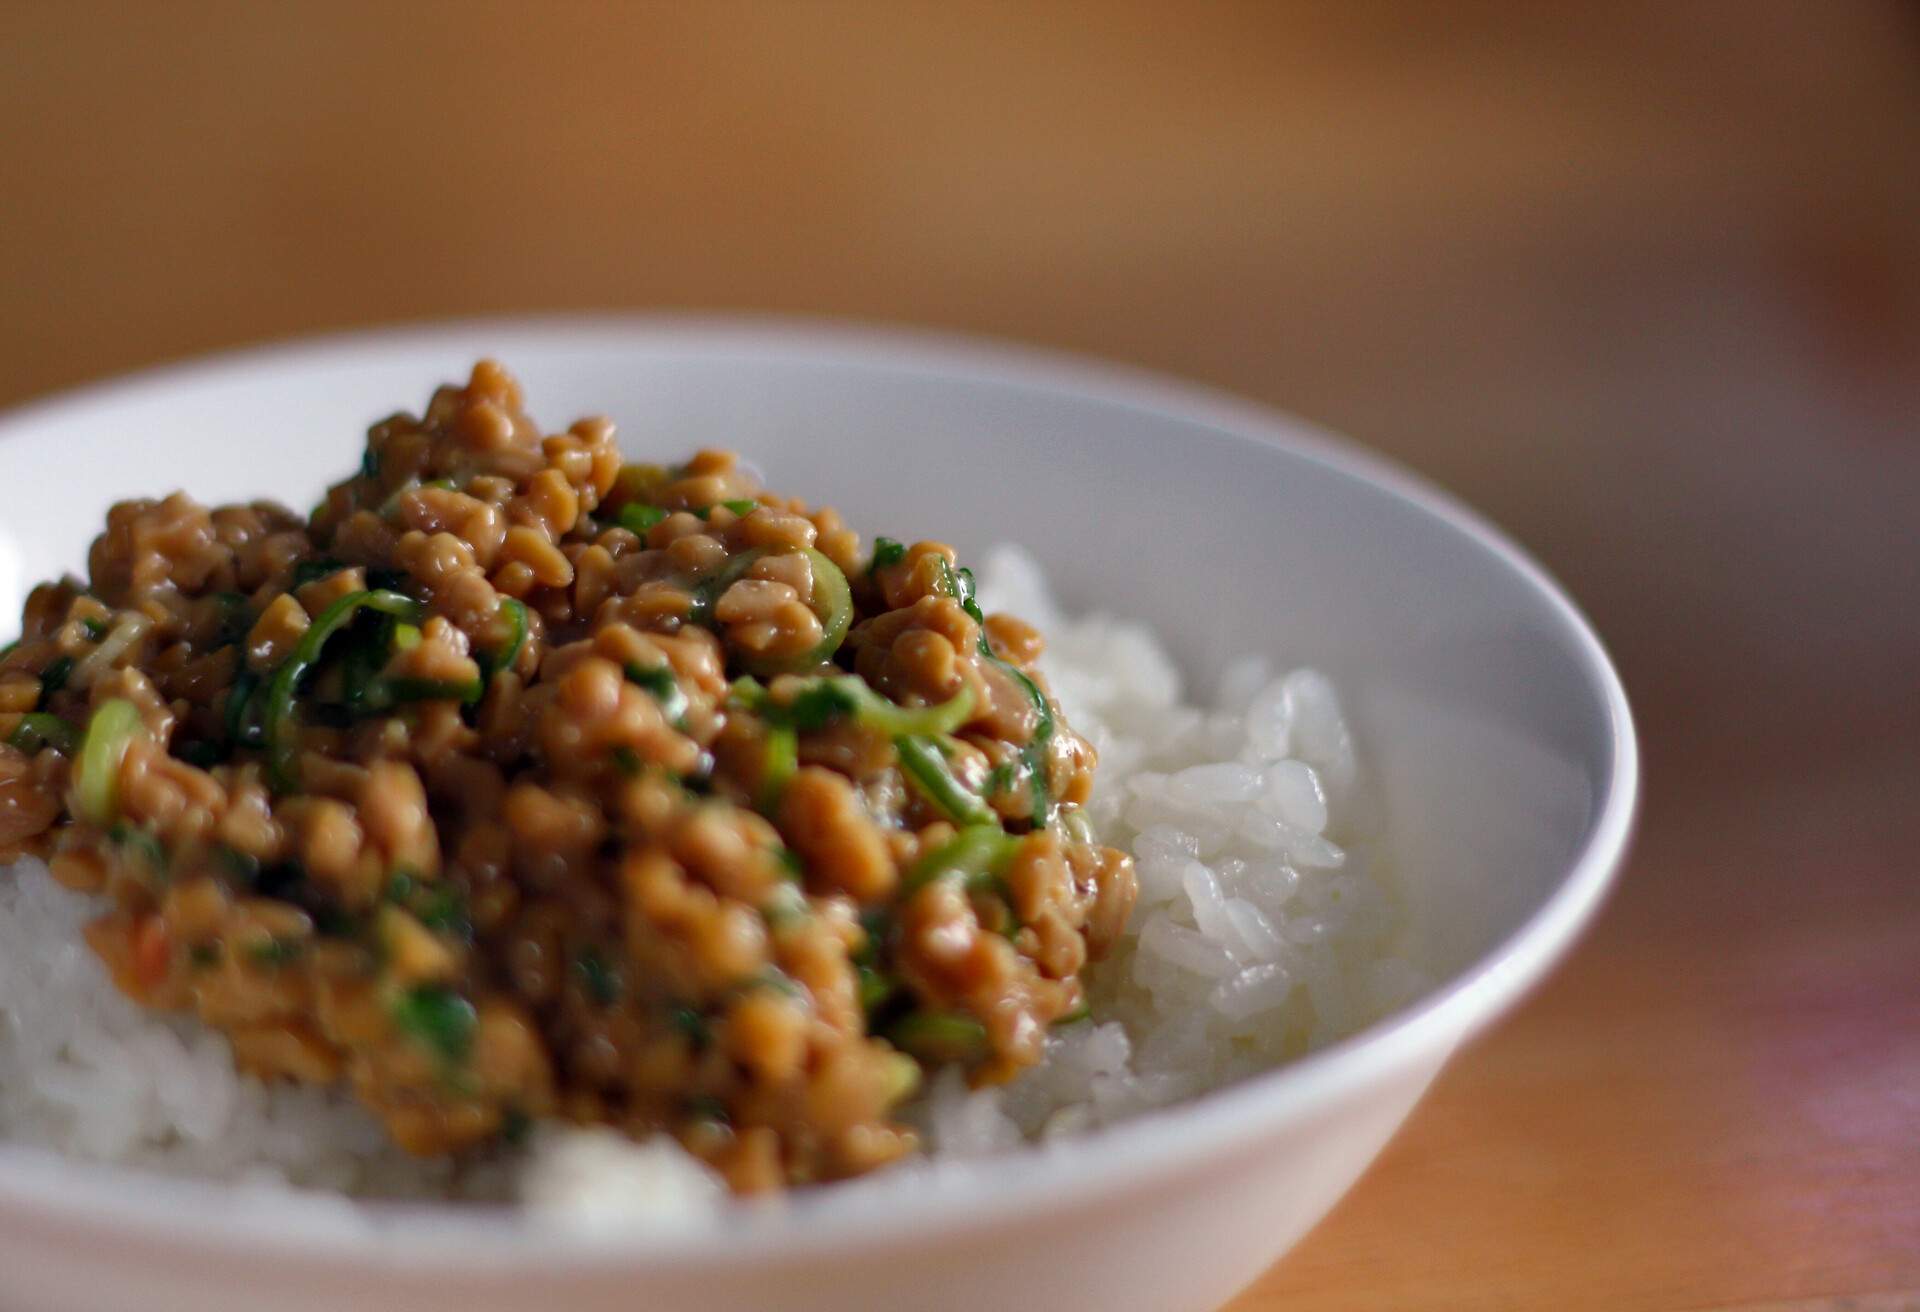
x=781, y=760
x=278, y=724
x=927, y=770
x=110, y=733
x=939, y=1036
x=978, y=850
x=38, y=729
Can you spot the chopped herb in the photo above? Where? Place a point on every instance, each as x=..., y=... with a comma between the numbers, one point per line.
x=96, y=629
x=204, y=954
x=887, y=553
x=976, y=850
x=785, y=905
x=659, y=680
x=384, y=694
x=312, y=571
x=242, y=867
x=53, y=679
x=274, y=953
x=691, y=1023
x=706, y=1107
x=939, y=1036
x=627, y=761
x=278, y=723
x=445, y=911
x=406, y=636
x=515, y=1126
x=638, y=517
x=743, y=507
x=601, y=983
x=96, y=770
x=796, y=868
x=402, y=885
x=505, y=657
x=926, y=769
x=1078, y=1014
x=1034, y=754
x=831, y=602
x=38, y=729
x=241, y=731
x=438, y=1017
x=875, y=988
x=779, y=981
x=9, y=649
x=777, y=766
x=370, y=463
x=140, y=842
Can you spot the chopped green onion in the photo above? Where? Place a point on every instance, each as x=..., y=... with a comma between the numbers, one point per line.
x=627, y=761
x=692, y=1024
x=240, y=732
x=1078, y=1014
x=236, y=617
x=274, y=952
x=939, y=1036
x=778, y=765
x=278, y=725
x=831, y=602
x=903, y=1078
x=975, y=850
x=54, y=678
x=743, y=507
x=659, y=680
x=312, y=571
x=886, y=553
x=38, y=729
x=598, y=978
x=706, y=1107
x=637, y=517
x=445, y=912
x=505, y=659
x=97, y=769
x=9, y=649
x=925, y=768
x=384, y=694
x=96, y=629
x=960, y=586
x=142, y=842
x=438, y=1017
x=406, y=636
x=370, y=463
x=779, y=981
x=785, y=905
x=875, y=988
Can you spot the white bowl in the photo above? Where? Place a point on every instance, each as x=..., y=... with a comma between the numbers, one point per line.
x=1489, y=713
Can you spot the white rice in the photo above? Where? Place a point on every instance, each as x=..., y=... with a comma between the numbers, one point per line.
x=1265, y=928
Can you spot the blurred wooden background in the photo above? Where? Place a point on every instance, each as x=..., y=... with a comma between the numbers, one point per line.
x=1640, y=280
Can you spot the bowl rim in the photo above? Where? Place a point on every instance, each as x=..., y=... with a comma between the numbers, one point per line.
x=39, y=1188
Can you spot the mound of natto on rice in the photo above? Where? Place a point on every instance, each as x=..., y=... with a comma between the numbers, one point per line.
x=525, y=819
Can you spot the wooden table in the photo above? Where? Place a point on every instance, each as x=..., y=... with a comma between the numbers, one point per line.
x=1641, y=280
